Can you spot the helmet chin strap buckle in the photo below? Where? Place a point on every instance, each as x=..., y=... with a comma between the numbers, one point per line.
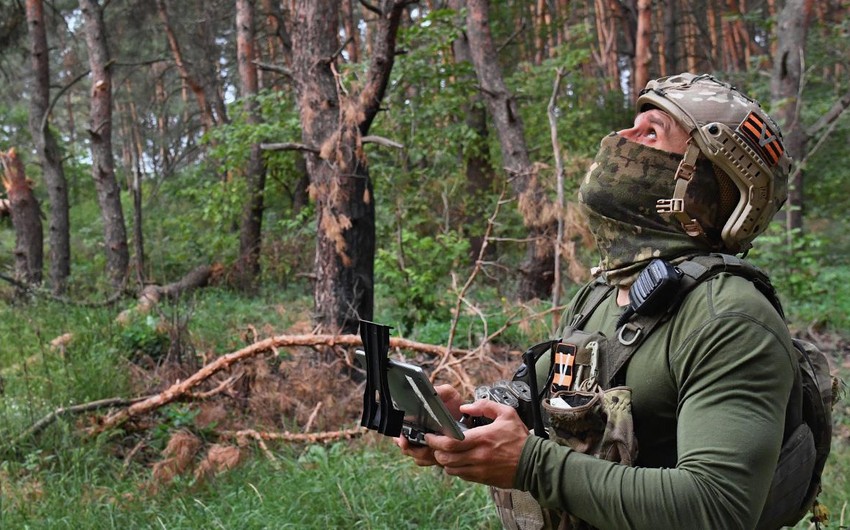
x=675, y=206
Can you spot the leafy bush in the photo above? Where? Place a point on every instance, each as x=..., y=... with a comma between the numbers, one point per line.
x=812, y=284
x=414, y=276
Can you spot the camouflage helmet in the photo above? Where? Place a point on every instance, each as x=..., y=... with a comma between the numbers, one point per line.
x=743, y=143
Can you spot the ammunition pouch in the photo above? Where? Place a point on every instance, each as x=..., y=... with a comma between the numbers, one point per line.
x=581, y=415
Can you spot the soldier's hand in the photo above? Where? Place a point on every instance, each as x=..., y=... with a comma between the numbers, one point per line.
x=488, y=454
x=422, y=454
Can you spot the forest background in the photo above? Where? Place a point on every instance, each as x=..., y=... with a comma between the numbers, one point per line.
x=203, y=198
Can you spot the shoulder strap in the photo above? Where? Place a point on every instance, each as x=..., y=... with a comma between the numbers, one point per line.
x=694, y=271
x=587, y=302
x=701, y=268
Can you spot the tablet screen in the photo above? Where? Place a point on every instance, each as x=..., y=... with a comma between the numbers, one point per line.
x=412, y=392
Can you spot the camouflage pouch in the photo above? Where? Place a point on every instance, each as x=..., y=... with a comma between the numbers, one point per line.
x=595, y=422
x=518, y=510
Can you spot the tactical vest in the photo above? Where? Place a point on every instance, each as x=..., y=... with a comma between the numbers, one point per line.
x=808, y=425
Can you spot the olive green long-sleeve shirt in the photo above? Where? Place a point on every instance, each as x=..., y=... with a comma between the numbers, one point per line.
x=710, y=388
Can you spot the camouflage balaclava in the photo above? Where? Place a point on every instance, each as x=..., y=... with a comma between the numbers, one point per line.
x=618, y=197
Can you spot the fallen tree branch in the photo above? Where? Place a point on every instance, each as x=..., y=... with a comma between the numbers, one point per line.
x=183, y=388
x=316, y=437
x=44, y=422
x=152, y=294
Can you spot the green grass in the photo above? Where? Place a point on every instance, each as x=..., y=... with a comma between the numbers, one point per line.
x=339, y=486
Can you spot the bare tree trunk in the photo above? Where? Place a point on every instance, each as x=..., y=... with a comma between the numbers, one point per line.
x=351, y=31
x=643, y=53
x=26, y=218
x=48, y=151
x=479, y=169
x=606, y=36
x=158, y=70
x=791, y=32
x=204, y=106
x=136, y=154
x=537, y=269
x=278, y=45
x=334, y=118
x=209, y=71
x=100, y=132
x=670, y=62
x=250, y=236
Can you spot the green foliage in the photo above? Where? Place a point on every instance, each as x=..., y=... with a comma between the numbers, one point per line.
x=14, y=125
x=811, y=282
x=194, y=221
x=414, y=276
x=144, y=338
x=585, y=111
x=230, y=144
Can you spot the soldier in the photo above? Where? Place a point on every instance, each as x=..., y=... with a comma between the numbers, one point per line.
x=702, y=170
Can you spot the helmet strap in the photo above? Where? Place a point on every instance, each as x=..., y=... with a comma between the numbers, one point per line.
x=675, y=207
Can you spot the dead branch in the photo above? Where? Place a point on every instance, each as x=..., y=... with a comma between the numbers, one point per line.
x=456, y=314
x=44, y=422
x=830, y=116
x=371, y=8
x=560, y=73
x=288, y=146
x=274, y=68
x=312, y=417
x=224, y=386
x=380, y=140
x=181, y=389
x=317, y=437
x=241, y=437
x=152, y=294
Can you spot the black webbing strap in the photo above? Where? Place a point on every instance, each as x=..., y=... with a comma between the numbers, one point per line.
x=696, y=270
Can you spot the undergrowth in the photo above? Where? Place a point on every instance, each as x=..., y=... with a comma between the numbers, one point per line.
x=338, y=486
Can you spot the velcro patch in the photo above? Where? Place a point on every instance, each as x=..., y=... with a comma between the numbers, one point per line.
x=761, y=138
x=565, y=357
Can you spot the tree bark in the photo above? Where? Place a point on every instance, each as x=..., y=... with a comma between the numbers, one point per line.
x=643, y=53
x=537, y=269
x=791, y=32
x=351, y=31
x=207, y=118
x=136, y=155
x=250, y=236
x=58, y=227
x=100, y=132
x=278, y=42
x=479, y=169
x=26, y=219
x=334, y=119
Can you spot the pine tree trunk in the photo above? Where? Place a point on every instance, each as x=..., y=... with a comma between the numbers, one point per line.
x=351, y=31
x=643, y=53
x=26, y=219
x=100, y=132
x=537, y=269
x=48, y=152
x=334, y=119
x=671, y=64
x=207, y=118
x=250, y=236
x=479, y=169
x=136, y=154
x=791, y=31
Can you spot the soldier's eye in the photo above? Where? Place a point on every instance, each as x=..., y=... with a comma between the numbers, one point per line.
x=651, y=134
